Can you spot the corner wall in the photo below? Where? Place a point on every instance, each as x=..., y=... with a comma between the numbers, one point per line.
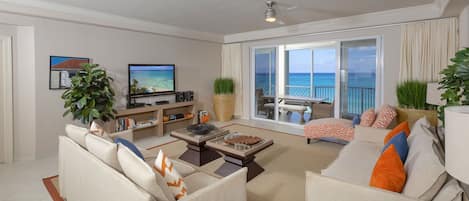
x=197, y=65
x=464, y=27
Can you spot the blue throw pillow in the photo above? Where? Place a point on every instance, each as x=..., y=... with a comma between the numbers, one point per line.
x=400, y=143
x=356, y=120
x=129, y=145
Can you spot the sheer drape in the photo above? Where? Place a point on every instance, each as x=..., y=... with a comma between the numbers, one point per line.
x=426, y=48
x=231, y=68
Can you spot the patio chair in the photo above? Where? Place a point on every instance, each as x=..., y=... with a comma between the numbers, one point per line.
x=263, y=104
x=322, y=110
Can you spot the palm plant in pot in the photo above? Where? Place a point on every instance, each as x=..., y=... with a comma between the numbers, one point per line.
x=224, y=100
x=90, y=97
x=411, y=96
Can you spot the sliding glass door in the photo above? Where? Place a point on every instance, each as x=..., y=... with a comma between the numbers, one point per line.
x=295, y=83
x=358, y=76
x=265, y=86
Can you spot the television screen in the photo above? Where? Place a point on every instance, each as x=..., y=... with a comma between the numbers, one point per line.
x=145, y=79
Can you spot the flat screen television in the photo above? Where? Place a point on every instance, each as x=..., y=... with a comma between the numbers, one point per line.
x=151, y=79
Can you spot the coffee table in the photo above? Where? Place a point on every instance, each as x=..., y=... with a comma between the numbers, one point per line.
x=196, y=152
x=236, y=159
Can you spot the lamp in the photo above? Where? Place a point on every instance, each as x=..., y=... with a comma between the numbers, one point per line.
x=434, y=94
x=270, y=12
x=457, y=142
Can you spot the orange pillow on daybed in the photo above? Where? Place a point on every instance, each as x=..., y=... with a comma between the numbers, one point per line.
x=404, y=126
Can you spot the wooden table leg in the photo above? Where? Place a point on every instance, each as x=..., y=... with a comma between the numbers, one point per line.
x=199, y=155
x=231, y=165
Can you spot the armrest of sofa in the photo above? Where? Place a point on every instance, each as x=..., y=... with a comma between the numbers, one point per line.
x=369, y=134
x=230, y=188
x=127, y=134
x=321, y=188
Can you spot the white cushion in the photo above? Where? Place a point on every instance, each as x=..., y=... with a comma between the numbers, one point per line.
x=143, y=175
x=425, y=173
x=175, y=181
x=198, y=181
x=451, y=191
x=355, y=163
x=77, y=134
x=104, y=150
x=183, y=169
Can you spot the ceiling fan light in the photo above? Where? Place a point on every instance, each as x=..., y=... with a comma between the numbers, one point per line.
x=270, y=15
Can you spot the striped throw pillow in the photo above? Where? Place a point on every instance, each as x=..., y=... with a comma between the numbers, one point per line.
x=164, y=166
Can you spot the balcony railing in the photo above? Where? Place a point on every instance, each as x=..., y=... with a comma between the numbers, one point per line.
x=359, y=99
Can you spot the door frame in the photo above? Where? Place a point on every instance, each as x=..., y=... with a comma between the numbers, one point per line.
x=7, y=81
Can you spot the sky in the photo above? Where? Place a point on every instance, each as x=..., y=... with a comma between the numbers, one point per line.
x=361, y=60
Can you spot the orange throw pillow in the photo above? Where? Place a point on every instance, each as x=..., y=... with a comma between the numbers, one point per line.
x=389, y=172
x=404, y=126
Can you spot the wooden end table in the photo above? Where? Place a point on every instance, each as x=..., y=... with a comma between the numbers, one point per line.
x=196, y=152
x=237, y=159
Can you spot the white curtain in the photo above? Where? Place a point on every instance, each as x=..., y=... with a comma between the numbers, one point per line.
x=231, y=68
x=427, y=47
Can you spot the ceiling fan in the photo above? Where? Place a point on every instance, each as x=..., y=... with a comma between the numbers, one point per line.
x=276, y=12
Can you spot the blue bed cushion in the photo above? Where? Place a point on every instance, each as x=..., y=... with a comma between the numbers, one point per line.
x=400, y=143
x=129, y=145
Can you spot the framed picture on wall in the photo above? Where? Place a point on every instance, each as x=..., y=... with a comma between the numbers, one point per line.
x=62, y=69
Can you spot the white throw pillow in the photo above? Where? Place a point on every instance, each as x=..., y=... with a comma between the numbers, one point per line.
x=165, y=168
x=451, y=191
x=425, y=173
x=142, y=174
x=104, y=150
x=77, y=134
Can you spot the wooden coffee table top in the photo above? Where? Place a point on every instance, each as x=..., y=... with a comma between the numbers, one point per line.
x=219, y=144
x=186, y=135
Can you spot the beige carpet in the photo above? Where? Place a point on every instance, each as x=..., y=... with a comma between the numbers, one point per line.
x=285, y=163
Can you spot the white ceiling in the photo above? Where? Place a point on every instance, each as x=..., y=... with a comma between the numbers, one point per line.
x=235, y=16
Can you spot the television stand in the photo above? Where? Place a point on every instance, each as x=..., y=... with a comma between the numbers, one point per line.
x=151, y=118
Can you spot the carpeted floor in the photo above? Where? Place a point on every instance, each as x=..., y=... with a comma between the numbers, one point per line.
x=285, y=163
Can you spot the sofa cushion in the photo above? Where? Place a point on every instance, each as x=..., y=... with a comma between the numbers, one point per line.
x=385, y=117
x=129, y=145
x=104, y=150
x=404, y=126
x=355, y=163
x=174, y=180
x=368, y=117
x=400, y=144
x=389, y=173
x=143, y=175
x=198, y=181
x=77, y=134
x=425, y=173
x=451, y=191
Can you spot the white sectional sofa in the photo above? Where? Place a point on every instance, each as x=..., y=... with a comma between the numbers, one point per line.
x=347, y=178
x=85, y=177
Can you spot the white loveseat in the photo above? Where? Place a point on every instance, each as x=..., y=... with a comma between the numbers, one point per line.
x=347, y=178
x=85, y=177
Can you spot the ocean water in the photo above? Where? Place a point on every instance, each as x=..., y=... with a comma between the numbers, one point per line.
x=154, y=81
x=360, y=93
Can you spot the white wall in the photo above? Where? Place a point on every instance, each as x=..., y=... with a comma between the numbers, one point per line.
x=197, y=65
x=391, y=49
x=464, y=27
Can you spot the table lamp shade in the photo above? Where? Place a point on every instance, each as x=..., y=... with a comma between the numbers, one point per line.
x=457, y=142
x=434, y=94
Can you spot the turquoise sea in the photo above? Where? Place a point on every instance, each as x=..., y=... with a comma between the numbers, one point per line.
x=360, y=93
x=155, y=81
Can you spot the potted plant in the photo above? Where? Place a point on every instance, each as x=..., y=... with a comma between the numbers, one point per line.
x=411, y=96
x=90, y=97
x=224, y=100
x=455, y=82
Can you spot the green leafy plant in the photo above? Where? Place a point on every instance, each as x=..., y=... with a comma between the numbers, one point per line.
x=412, y=95
x=223, y=86
x=90, y=97
x=455, y=82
